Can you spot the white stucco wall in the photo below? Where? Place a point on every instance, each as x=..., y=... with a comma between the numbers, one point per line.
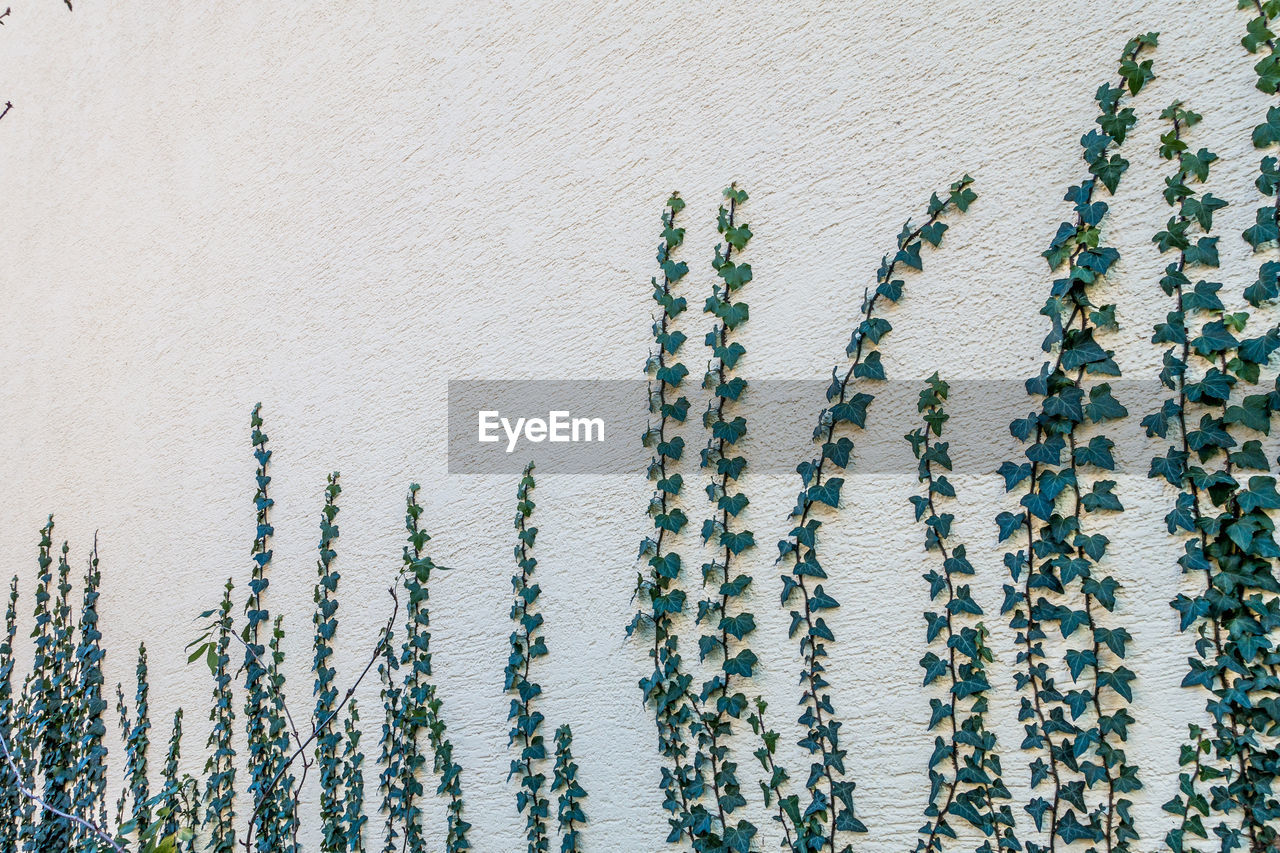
x=336, y=209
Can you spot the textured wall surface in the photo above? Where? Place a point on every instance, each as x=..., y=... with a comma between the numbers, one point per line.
x=337, y=209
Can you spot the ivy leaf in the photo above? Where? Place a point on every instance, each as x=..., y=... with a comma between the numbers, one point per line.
x=1102, y=406
x=1070, y=830
x=1096, y=453
x=838, y=452
x=1264, y=230
x=853, y=410
x=1010, y=523
x=738, y=626
x=741, y=664
x=1118, y=680
x=738, y=839
x=827, y=493
x=1214, y=338
x=738, y=236
x=735, y=275
x=870, y=367
x=821, y=601
x=1078, y=659
x=737, y=542
x=970, y=686
x=1080, y=349
x=1268, y=133
x=1261, y=494
x=1250, y=455
x=1254, y=413
x=933, y=233
x=1013, y=474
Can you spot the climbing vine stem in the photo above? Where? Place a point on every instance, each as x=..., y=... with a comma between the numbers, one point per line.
x=570, y=813
x=527, y=645
x=667, y=688
x=1059, y=572
x=965, y=776
x=726, y=625
x=325, y=690
x=829, y=811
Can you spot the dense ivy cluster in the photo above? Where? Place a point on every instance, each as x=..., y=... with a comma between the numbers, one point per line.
x=1075, y=731
x=1224, y=489
x=965, y=777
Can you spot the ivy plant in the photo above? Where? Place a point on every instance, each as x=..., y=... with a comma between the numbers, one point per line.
x=90, y=756
x=965, y=776
x=10, y=801
x=325, y=691
x=134, y=808
x=569, y=812
x=266, y=733
x=667, y=689
x=527, y=645
x=818, y=823
x=220, y=766
x=421, y=707
x=1076, y=732
x=725, y=622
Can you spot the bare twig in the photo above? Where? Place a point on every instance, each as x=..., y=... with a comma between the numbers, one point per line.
x=31, y=795
x=324, y=724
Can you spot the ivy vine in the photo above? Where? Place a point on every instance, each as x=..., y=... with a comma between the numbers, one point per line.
x=266, y=733
x=332, y=812
x=1058, y=570
x=667, y=688
x=352, y=783
x=133, y=809
x=569, y=812
x=220, y=766
x=421, y=706
x=829, y=811
x=721, y=702
x=965, y=776
x=10, y=800
x=527, y=645
x=90, y=768
x=176, y=812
